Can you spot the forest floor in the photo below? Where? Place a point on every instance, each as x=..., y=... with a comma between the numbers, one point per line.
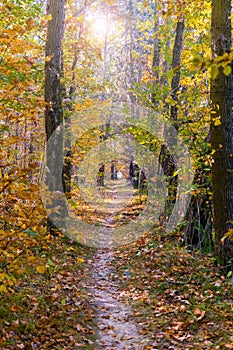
x=151, y=294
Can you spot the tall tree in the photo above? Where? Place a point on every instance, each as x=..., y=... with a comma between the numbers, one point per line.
x=53, y=99
x=175, y=84
x=165, y=158
x=221, y=129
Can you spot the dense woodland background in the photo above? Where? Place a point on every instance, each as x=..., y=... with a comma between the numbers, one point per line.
x=62, y=58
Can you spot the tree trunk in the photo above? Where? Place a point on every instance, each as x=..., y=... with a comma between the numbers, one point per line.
x=156, y=56
x=199, y=216
x=221, y=130
x=68, y=160
x=166, y=159
x=54, y=112
x=175, y=85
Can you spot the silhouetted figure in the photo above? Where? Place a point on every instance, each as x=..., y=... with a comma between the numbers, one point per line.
x=136, y=175
x=131, y=170
x=100, y=176
x=112, y=171
x=142, y=179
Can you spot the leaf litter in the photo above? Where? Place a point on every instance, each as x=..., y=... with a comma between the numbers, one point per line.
x=153, y=294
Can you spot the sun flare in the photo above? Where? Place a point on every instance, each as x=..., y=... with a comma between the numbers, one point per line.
x=100, y=25
x=103, y=24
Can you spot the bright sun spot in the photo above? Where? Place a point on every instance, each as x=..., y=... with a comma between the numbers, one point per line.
x=100, y=26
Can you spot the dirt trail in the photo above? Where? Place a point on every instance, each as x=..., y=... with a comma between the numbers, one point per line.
x=117, y=328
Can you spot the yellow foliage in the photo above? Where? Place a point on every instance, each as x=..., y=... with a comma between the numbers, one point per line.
x=21, y=132
x=3, y=288
x=48, y=58
x=229, y=235
x=227, y=70
x=41, y=269
x=216, y=121
x=48, y=17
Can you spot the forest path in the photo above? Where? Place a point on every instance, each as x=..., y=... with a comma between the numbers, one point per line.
x=117, y=328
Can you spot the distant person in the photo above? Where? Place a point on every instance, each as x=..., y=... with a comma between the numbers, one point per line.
x=119, y=175
x=131, y=170
x=100, y=176
x=112, y=171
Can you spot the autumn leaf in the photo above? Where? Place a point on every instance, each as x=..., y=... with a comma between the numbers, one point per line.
x=227, y=70
x=229, y=346
x=48, y=17
x=30, y=23
x=48, y=58
x=228, y=234
x=15, y=308
x=199, y=313
x=3, y=288
x=214, y=72
x=41, y=269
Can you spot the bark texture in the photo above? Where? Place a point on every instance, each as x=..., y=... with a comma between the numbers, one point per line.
x=175, y=85
x=54, y=112
x=166, y=158
x=221, y=134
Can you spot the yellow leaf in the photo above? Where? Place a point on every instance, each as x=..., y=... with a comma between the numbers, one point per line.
x=80, y=260
x=227, y=70
x=3, y=288
x=70, y=249
x=81, y=18
x=228, y=234
x=40, y=269
x=21, y=271
x=216, y=121
x=214, y=72
x=48, y=17
x=48, y=58
x=170, y=100
x=195, y=62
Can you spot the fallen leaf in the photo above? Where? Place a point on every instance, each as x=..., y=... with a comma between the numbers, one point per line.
x=41, y=269
x=15, y=308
